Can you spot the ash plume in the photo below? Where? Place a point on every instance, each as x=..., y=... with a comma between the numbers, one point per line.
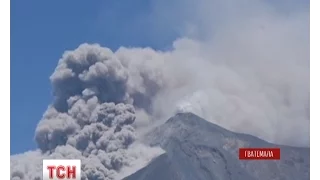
x=90, y=119
x=247, y=72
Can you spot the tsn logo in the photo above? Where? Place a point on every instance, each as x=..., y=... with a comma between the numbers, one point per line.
x=59, y=169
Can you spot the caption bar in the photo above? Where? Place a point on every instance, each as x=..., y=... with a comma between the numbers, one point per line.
x=259, y=153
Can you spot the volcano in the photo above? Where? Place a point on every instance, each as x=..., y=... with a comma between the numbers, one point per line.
x=199, y=150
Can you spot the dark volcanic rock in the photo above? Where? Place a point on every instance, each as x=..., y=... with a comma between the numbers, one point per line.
x=198, y=150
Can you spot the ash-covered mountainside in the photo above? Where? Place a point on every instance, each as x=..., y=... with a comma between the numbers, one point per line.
x=199, y=150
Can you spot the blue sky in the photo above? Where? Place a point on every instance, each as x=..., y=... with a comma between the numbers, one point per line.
x=42, y=30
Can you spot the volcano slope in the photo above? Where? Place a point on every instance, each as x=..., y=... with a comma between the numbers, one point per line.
x=198, y=150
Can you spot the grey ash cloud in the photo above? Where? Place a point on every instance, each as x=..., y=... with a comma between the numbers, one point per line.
x=91, y=118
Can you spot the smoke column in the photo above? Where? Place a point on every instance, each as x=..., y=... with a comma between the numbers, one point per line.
x=244, y=66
